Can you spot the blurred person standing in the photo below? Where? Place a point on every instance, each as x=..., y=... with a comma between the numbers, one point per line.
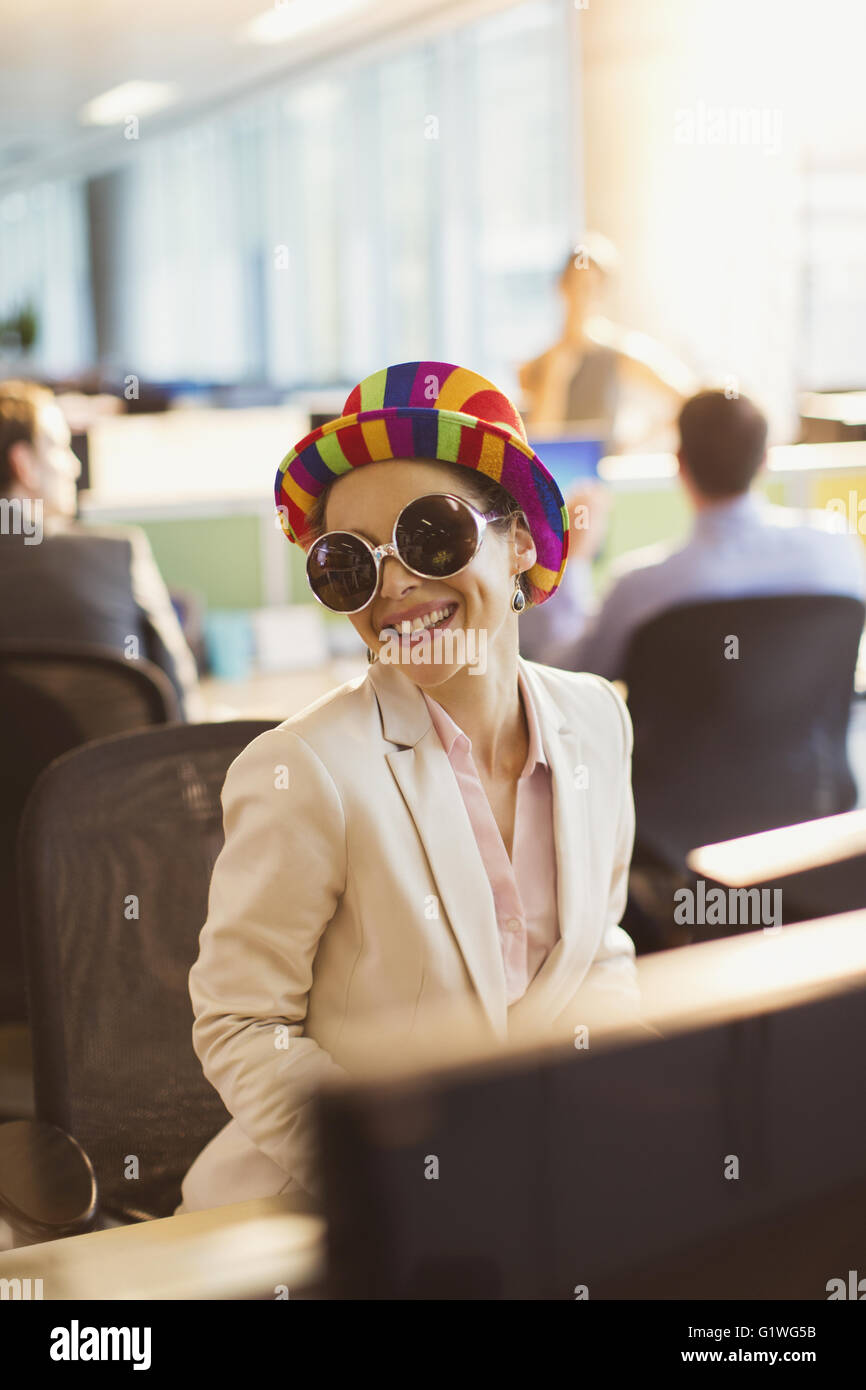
x=64, y=581
x=599, y=376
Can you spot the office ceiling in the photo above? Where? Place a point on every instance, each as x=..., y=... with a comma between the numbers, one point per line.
x=55, y=55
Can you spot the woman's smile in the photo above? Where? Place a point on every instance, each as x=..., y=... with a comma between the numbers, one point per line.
x=428, y=618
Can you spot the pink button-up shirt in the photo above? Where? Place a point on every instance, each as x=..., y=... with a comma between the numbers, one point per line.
x=524, y=887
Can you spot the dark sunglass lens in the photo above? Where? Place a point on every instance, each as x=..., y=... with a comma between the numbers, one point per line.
x=341, y=572
x=436, y=536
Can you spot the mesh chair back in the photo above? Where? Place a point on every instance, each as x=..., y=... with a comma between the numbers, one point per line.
x=100, y=691
x=53, y=699
x=730, y=744
x=116, y=848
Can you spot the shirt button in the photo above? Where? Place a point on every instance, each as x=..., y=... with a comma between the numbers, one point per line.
x=513, y=924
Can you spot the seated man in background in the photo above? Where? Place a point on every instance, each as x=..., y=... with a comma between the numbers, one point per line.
x=67, y=582
x=740, y=546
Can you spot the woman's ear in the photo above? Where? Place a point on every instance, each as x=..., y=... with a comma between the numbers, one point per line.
x=523, y=545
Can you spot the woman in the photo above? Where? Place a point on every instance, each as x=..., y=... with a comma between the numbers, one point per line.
x=435, y=832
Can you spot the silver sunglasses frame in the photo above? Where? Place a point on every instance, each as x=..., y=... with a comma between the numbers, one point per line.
x=380, y=552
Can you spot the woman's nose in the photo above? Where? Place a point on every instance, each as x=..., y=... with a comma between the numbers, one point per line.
x=395, y=577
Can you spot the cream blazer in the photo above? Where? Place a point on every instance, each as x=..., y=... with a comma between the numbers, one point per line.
x=350, y=885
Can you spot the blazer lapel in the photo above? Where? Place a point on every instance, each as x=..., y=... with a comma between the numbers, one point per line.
x=556, y=981
x=422, y=771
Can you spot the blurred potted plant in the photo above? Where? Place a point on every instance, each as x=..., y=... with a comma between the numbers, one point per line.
x=19, y=331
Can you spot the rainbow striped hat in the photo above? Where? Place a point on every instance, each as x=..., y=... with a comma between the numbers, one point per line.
x=431, y=410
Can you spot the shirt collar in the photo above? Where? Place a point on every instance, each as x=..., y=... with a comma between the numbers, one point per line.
x=730, y=512
x=449, y=732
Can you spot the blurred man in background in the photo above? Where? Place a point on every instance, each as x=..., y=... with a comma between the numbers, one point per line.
x=64, y=582
x=740, y=546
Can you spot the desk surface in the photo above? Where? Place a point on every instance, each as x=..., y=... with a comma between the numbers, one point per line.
x=248, y=1250
x=276, y=695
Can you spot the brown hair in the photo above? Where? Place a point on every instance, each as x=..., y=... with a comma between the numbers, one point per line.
x=483, y=492
x=20, y=403
x=723, y=441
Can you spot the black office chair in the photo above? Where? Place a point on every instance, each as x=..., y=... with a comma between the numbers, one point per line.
x=53, y=698
x=115, y=853
x=729, y=745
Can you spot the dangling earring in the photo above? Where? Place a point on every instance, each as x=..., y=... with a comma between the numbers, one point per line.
x=371, y=656
x=518, y=599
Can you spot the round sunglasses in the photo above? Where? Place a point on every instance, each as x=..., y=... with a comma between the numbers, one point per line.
x=435, y=536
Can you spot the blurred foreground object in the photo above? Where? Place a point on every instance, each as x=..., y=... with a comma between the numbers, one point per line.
x=249, y=1250
x=725, y=1159
x=816, y=866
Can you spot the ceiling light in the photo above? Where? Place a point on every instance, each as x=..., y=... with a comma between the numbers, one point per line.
x=129, y=99
x=288, y=19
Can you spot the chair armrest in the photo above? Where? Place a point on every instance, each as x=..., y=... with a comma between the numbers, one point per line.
x=47, y=1183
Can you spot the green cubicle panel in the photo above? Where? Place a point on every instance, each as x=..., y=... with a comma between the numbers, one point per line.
x=218, y=558
x=298, y=589
x=638, y=519
x=222, y=560
x=775, y=492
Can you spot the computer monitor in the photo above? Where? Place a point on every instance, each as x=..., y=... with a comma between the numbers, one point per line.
x=572, y=460
x=722, y=1160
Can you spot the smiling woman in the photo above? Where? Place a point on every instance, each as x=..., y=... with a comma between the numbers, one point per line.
x=418, y=843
